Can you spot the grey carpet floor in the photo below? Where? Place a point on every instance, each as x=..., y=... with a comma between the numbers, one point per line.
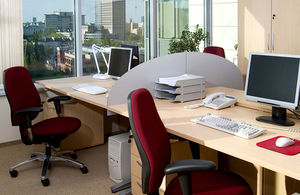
x=64, y=179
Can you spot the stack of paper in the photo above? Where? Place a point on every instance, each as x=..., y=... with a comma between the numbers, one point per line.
x=181, y=88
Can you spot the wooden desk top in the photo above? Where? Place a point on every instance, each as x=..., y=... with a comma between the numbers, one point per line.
x=64, y=86
x=177, y=120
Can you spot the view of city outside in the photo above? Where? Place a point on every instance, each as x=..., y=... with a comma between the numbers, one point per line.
x=48, y=32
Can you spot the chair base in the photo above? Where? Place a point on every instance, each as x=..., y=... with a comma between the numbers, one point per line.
x=47, y=158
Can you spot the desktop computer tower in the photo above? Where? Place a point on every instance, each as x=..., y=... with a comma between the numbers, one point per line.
x=119, y=157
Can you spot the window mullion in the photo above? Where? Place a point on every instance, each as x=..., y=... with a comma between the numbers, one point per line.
x=208, y=21
x=78, y=40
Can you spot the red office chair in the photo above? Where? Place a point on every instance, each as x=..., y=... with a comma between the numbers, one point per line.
x=25, y=104
x=215, y=50
x=152, y=140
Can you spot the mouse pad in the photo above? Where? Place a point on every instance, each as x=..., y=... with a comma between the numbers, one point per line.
x=270, y=144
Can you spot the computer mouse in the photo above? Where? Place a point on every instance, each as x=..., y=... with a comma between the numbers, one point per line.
x=284, y=142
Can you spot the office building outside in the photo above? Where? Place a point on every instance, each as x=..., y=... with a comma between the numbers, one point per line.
x=61, y=21
x=110, y=15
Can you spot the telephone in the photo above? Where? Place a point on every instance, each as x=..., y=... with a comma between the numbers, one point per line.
x=219, y=100
x=216, y=101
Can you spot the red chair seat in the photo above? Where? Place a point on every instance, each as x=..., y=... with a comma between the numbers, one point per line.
x=55, y=126
x=216, y=182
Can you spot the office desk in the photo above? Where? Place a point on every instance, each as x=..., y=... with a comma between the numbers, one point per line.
x=177, y=120
x=64, y=86
x=91, y=109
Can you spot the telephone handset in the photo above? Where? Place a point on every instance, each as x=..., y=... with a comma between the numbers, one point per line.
x=219, y=100
x=216, y=101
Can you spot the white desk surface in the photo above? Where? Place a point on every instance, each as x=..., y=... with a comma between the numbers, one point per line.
x=177, y=120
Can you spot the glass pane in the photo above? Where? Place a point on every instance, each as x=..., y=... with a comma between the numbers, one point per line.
x=110, y=23
x=173, y=16
x=48, y=38
x=225, y=27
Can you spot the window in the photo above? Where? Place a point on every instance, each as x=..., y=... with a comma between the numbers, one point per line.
x=224, y=26
x=48, y=28
x=50, y=37
x=51, y=50
x=173, y=15
x=111, y=23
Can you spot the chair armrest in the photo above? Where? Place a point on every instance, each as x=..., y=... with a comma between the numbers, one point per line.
x=184, y=168
x=29, y=110
x=57, y=100
x=26, y=112
x=190, y=165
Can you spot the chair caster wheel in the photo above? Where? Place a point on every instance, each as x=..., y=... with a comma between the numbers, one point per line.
x=13, y=173
x=45, y=182
x=73, y=156
x=84, y=170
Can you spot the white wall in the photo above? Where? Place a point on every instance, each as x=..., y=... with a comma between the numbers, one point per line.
x=7, y=131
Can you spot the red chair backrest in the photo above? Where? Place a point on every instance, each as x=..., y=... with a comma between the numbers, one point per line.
x=215, y=50
x=151, y=138
x=20, y=92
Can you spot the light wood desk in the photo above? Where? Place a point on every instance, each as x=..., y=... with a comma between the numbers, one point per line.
x=177, y=120
x=64, y=86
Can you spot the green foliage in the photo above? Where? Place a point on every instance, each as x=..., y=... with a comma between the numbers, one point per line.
x=189, y=41
x=132, y=37
x=56, y=35
x=236, y=46
x=96, y=41
x=48, y=31
x=106, y=41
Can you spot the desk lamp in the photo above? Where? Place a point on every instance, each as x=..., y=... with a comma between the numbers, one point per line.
x=102, y=50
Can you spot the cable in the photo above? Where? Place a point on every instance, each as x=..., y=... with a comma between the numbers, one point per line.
x=296, y=114
x=279, y=128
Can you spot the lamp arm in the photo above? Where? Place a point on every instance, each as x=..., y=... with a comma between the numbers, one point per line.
x=102, y=50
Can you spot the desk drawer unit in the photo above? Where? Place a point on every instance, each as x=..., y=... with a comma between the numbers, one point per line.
x=91, y=132
x=180, y=150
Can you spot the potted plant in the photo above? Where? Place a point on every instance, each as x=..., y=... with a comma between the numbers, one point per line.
x=189, y=41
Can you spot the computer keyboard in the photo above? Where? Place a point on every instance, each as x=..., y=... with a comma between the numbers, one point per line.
x=91, y=89
x=241, y=129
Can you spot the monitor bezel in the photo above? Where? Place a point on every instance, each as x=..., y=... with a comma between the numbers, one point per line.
x=269, y=101
x=135, y=54
x=109, y=74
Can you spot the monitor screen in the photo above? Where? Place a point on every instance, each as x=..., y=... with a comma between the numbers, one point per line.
x=135, y=54
x=274, y=79
x=119, y=61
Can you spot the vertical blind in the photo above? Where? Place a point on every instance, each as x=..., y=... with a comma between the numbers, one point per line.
x=11, y=34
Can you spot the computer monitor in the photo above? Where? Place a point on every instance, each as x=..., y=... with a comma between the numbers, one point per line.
x=135, y=54
x=274, y=79
x=119, y=62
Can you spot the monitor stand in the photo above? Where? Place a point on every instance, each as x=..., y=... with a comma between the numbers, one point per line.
x=278, y=117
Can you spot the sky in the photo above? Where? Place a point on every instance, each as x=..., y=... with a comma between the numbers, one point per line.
x=37, y=8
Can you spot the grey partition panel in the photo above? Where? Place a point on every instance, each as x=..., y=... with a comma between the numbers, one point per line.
x=218, y=71
x=143, y=76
